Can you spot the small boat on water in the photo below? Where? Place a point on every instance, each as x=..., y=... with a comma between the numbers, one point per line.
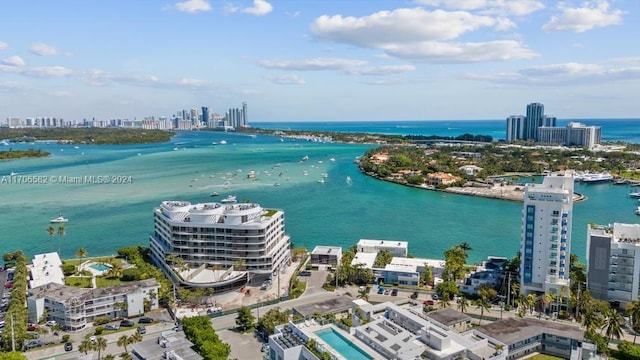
x=223, y=142
x=60, y=219
x=332, y=159
x=635, y=194
x=348, y=180
x=321, y=181
x=276, y=184
x=620, y=181
x=231, y=199
x=638, y=211
x=214, y=194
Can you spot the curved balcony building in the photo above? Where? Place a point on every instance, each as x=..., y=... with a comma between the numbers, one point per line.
x=219, y=246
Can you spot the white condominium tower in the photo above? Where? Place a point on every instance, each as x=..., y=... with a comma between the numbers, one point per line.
x=546, y=234
x=222, y=245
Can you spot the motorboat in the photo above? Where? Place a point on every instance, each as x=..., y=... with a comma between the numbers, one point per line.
x=59, y=220
x=231, y=199
x=348, y=180
x=332, y=159
x=223, y=142
x=321, y=181
x=635, y=194
x=638, y=211
x=214, y=194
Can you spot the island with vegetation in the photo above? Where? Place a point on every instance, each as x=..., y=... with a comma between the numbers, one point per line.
x=102, y=136
x=12, y=154
x=488, y=169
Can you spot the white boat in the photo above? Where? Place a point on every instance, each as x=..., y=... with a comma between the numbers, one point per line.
x=4, y=142
x=321, y=181
x=60, y=219
x=638, y=211
x=214, y=194
x=348, y=180
x=305, y=158
x=635, y=194
x=596, y=177
x=223, y=142
x=305, y=173
x=175, y=149
x=332, y=159
x=231, y=199
x=276, y=184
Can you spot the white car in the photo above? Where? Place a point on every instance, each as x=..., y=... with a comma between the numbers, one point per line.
x=93, y=339
x=51, y=323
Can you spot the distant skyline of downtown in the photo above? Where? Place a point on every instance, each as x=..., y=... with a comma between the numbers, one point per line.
x=333, y=60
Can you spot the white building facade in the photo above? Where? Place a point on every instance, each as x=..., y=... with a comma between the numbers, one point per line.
x=546, y=234
x=224, y=236
x=613, y=253
x=396, y=248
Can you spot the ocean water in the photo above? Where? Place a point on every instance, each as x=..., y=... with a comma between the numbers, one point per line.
x=104, y=217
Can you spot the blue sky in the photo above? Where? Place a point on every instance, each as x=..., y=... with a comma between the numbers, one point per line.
x=320, y=60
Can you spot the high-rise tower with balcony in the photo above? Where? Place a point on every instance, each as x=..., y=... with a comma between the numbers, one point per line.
x=546, y=234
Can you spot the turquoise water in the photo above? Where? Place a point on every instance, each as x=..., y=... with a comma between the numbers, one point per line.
x=345, y=347
x=104, y=217
x=99, y=267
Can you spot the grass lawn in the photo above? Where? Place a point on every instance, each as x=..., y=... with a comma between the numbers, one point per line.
x=106, y=259
x=103, y=281
x=79, y=282
x=544, y=357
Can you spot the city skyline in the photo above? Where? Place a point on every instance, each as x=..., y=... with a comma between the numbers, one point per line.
x=320, y=61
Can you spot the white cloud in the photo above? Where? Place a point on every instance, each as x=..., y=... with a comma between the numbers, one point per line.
x=590, y=15
x=14, y=61
x=442, y=52
x=48, y=71
x=286, y=79
x=505, y=7
x=398, y=26
x=43, y=50
x=312, y=64
x=259, y=8
x=3, y=45
x=193, y=6
x=382, y=70
x=562, y=74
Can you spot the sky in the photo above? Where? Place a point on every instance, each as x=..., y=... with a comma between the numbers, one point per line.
x=320, y=60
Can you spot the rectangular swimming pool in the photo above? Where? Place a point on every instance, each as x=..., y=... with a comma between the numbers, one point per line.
x=99, y=267
x=342, y=345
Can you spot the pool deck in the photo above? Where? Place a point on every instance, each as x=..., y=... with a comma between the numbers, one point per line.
x=310, y=328
x=87, y=266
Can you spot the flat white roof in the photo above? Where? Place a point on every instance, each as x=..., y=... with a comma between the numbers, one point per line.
x=385, y=243
x=419, y=262
x=401, y=267
x=327, y=250
x=46, y=269
x=364, y=258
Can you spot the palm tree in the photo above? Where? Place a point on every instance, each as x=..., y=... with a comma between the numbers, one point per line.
x=463, y=303
x=613, y=324
x=483, y=304
x=61, y=232
x=135, y=338
x=364, y=293
x=51, y=232
x=126, y=356
x=100, y=345
x=465, y=246
x=85, y=346
x=81, y=252
x=633, y=310
x=124, y=341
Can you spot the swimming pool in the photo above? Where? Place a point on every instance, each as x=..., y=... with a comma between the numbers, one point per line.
x=100, y=267
x=342, y=345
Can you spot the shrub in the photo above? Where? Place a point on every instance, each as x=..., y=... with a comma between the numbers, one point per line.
x=101, y=320
x=507, y=307
x=65, y=338
x=99, y=330
x=131, y=274
x=68, y=269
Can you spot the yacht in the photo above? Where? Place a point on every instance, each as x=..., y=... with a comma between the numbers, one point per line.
x=597, y=177
x=214, y=194
x=321, y=181
x=635, y=194
x=332, y=159
x=231, y=199
x=60, y=219
x=223, y=142
x=4, y=142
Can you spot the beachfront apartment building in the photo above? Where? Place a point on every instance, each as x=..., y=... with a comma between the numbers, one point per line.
x=574, y=134
x=546, y=234
x=218, y=245
x=521, y=127
x=613, y=253
x=396, y=248
x=75, y=307
x=326, y=255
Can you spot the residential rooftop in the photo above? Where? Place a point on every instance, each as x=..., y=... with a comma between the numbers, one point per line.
x=511, y=331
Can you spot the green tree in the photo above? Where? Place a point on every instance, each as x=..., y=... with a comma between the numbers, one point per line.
x=124, y=341
x=245, y=318
x=486, y=293
x=81, y=253
x=126, y=356
x=613, y=324
x=364, y=293
x=85, y=346
x=271, y=319
x=633, y=310
x=384, y=258
x=463, y=303
x=12, y=355
x=61, y=233
x=427, y=277
x=51, y=231
x=100, y=344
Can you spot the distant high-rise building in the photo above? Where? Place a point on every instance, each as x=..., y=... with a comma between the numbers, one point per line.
x=205, y=116
x=535, y=113
x=546, y=234
x=516, y=127
x=574, y=134
x=245, y=119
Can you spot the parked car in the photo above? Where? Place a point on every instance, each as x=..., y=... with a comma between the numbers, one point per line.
x=142, y=330
x=380, y=290
x=145, y=320
x=305, y=273
x=34, y=344
x=126, y=323
x=93, y=338
x=51, y=323
x=112, y=327
x=68, y=346
x=394, y=292
x=434, y=296
x=429, y=302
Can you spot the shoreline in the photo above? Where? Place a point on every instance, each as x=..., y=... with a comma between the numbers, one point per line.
x=497, y=191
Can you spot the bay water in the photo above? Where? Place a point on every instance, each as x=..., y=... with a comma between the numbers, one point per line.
x=345, y=207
